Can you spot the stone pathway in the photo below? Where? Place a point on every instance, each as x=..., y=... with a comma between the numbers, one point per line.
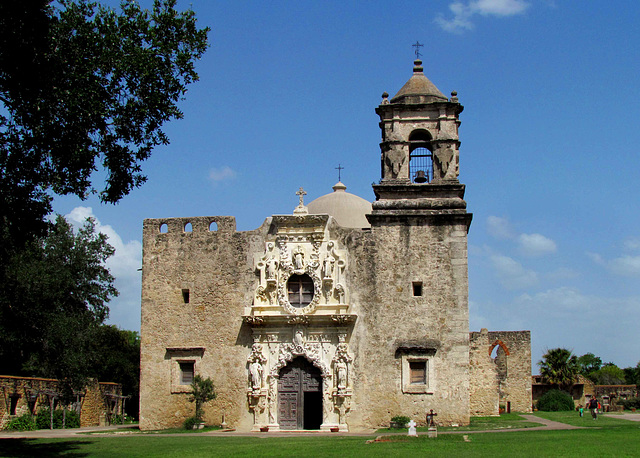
x=126, y=430
x=626, y=416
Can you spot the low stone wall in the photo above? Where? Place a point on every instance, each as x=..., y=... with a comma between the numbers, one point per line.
x=22, y=395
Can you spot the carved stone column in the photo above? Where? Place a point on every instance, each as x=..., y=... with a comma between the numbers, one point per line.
x=272, y=403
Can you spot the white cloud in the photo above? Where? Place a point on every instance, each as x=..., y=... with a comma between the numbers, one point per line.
x=499, y=7
x=511, y=274
x=528, y=244
x=460, y=21
x=536, y=244
x=462, y=13
x=123, y=265
x=561, y=273
x=500, y=228
x=221, y=174
x=625, y=265
x=632, y=244
x=557, y=301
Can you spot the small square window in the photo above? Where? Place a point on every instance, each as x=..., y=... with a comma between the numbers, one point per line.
x=417, y=288
x=417, y=374
x=187, y=369
x=183, y=364
x=185, y=296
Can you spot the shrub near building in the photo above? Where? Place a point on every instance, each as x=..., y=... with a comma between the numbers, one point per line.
x=555, y=400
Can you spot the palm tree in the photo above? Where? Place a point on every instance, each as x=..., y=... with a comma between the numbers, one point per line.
x=559, y=367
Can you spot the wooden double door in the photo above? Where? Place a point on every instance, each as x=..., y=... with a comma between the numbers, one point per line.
x=300, y=396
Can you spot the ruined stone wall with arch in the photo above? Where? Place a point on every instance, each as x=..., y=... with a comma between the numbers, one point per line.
x=500, y=372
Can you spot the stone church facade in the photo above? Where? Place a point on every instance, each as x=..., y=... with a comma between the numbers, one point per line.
x=340, y=315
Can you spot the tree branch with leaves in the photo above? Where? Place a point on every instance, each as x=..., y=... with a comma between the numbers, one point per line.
x=559, y=366
x=85, y=87
x=202, y=391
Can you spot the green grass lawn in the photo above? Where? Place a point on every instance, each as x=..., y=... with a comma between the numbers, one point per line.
x=612, y=437
x=504, y=421
x=572, y=418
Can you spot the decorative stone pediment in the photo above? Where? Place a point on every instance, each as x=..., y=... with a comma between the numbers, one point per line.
x=300, y=251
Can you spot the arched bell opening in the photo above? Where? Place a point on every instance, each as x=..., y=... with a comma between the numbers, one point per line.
x=420, y=157
x=300, y=395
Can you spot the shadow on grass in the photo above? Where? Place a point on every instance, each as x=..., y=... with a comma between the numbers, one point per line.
x=31, y=447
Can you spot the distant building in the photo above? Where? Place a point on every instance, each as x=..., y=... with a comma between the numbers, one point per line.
x=584, y=389
x=340, y=315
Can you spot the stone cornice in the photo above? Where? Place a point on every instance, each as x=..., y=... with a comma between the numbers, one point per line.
x=306, y=320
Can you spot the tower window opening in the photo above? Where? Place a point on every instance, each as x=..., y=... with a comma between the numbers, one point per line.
x=420, y=165
x=300, y=289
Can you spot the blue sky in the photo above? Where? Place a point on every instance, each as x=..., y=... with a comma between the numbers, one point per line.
x=549, y=135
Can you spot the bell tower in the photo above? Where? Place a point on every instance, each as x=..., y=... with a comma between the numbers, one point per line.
x=417, y=257
x=420, y=159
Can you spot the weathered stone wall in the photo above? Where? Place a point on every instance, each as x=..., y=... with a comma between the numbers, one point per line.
x=393, y=322
x=383, y=263
x=97, y=407
x=483, y=393
x=501, y=379
x=216, y=267
x=29, y=397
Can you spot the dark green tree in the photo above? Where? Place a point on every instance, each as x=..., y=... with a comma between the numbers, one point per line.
x=116, y=355
x=202, y=391
x=632, y=375
x=589, y=363
x=84, y=87
x=609, y=374
x=559, y=367
x=52, y=301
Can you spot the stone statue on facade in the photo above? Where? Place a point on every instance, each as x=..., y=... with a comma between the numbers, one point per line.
x=255, y=374
x=298, y=258
x=256, y=370
x=298, y=338
x=327, y=267
x=271, y=268
x=341, y=374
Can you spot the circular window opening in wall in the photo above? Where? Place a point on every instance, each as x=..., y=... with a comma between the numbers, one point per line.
x=300, y=289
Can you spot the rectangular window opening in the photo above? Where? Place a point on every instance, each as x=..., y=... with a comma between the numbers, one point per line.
x=187, y=369
x=185, y=296
x=417, y=288
x=14, y=403
x=418, y=372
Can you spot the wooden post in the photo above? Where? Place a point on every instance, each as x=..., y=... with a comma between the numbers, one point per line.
x=51, y=411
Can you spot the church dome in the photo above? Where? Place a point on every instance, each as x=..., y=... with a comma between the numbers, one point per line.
x=348, y=209
x=418, y=89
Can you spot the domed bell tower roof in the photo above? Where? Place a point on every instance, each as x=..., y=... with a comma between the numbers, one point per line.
x=419, y=89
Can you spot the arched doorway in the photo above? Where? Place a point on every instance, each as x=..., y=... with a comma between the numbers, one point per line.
x=300, y=395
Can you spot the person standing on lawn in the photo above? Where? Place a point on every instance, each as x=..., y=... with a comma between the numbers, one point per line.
x=593, y=406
